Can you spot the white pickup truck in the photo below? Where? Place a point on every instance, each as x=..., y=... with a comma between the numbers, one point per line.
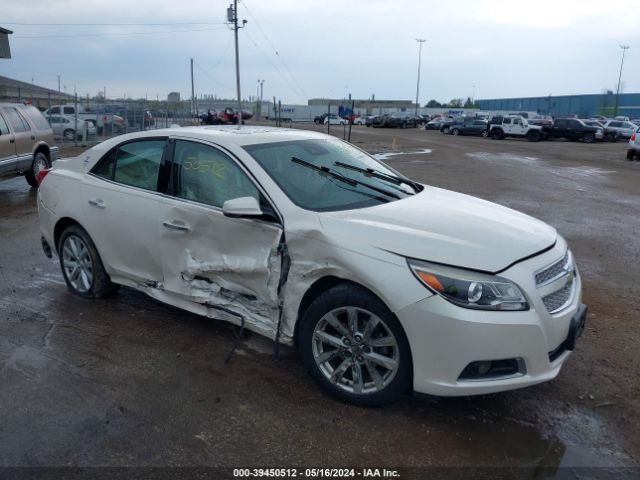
x=99, y=120
x=514, y=126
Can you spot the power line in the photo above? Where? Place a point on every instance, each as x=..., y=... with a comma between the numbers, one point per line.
x=293, y=87
x=157, y=32
x=300, y=89
x=108, y=24
x=211, y=77
x=224, y=53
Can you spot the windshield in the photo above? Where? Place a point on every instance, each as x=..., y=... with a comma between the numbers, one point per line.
x=321, y=189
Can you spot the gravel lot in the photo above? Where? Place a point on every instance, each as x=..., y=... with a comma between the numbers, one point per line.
x=132, y=382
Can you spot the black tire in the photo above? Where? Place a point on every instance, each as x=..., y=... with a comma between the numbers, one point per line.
x=100, y=285
x=497, y=134
x=356, y=297
x=69, y=134
x=588, y=138
x=630, y=155
x=40, y=161
x=533, y=136
x=445, y=130
x=484, y=133
x=455, y=132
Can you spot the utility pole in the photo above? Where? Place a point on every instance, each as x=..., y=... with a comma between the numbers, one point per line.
x=58, y=83
x=232, y=17
x=420, y=42
x=193, y=98
x=615, y=109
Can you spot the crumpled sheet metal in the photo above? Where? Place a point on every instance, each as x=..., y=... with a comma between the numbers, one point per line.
x=243, y=280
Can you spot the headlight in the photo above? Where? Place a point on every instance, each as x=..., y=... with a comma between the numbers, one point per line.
x=469, y=289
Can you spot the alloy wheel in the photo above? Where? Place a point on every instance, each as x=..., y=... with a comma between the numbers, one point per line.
x=355, y=350
x=77, y=263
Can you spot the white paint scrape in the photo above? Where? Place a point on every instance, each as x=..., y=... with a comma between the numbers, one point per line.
x=384, y=156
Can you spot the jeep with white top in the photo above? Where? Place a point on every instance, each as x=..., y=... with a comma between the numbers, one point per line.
x=514, y=126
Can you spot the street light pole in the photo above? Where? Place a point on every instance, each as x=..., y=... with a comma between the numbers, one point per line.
x=615, y=109
x=420, y=42
x=260, y=82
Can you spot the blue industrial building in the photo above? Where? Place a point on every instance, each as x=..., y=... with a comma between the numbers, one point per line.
x=568, y=105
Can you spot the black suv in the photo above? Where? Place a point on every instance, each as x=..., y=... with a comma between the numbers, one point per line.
x=574, y=129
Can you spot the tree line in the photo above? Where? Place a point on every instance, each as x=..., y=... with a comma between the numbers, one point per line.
x=454, y=103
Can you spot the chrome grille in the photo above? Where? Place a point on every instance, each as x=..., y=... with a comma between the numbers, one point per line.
x=553, y=271
x=558, y=300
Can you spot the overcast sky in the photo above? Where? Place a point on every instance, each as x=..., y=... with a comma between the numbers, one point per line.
x=326, y=48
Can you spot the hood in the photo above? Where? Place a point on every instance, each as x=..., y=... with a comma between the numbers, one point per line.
x=445, y=227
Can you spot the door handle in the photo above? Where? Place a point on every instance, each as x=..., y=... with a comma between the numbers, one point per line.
x=33, y=137
x=97, y=203
x=12, y=140
x=176, y=226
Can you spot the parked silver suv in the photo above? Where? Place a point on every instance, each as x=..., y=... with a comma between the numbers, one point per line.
x=26, y=142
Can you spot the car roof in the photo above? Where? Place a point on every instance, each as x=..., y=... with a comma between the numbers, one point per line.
x=229, y=134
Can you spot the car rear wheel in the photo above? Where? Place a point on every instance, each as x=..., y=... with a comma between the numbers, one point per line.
x=588, y=138
x=81, y=265
x=455, y=131
x=533, y=136
x=484, y=133
x=445, y=130
x=354, y=347
x=40, y=162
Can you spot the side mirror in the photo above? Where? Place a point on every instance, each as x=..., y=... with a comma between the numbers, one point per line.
x=241, y=207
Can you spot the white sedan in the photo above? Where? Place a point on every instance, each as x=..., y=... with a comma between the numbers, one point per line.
x=66, y=126
x=362, y=119
x=334, y=120
x=382, y=283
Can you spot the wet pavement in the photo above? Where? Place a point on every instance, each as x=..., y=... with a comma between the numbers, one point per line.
x=132, y=382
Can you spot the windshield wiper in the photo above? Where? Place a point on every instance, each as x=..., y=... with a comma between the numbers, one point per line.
x=338, y=176
x=383, y=176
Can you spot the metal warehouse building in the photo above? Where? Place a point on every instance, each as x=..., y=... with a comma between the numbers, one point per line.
x=568, y=105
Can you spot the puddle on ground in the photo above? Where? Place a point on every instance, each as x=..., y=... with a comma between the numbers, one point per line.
x=501, y=157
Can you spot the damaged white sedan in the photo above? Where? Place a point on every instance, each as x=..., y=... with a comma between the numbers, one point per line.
x=382, y=283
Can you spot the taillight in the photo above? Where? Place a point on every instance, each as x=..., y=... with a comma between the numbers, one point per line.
x=41, y=174
x=633, y=137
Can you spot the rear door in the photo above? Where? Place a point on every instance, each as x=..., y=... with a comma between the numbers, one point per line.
x=7, y=148
x=629, y=128
x=506, y=125
x=209, y=258
x=517, y=127
x=121, y=198
x=23, y=135
x=558, y=129
x=478, y=127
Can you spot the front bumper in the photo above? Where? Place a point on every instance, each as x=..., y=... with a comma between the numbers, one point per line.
x=446, y=339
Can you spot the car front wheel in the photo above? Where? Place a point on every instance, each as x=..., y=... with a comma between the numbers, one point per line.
x=40, y=162
x=354, y=347
x=81, y=265
x=69, y=134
